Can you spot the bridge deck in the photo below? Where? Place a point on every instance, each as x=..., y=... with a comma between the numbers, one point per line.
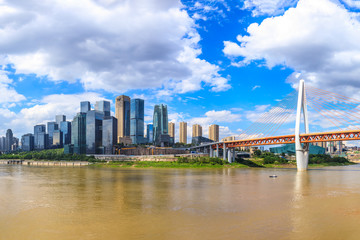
x=288, y=139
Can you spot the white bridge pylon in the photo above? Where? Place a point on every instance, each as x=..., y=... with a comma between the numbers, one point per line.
x=302, y=151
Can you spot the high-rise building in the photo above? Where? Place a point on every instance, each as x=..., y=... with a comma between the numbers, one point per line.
x=78, y=133
x=171, y=127
x=109, y=134
x=214, y=132
x=122, y=113
x=9, y=140
x=41, y=139
x=196, y=130
x=161, y=137
x=137, y=121
x=27, y=142
x=65, y=128
x=51, y=127
x=94, y=120
x=85, y=106
x=59, y=119
x=150, y=133
x=2, y=144
x=57, y=138
x=103, y=106
x=183, y=132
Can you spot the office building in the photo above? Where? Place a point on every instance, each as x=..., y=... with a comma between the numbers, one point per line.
x=85, y=106
x=103, y=106
x=51, y=127
x=196, y=130
x=41, y=139
x=78, y=133
x=160, y=121
x=137, y=121
x=9, y=140
x=59, y=119
x=214, y=132
x=2, y=144
x=122, y=113
x=57, y=138
x=27, y=142
x=150, y=133
x=65, y=128
x=94, y=120
x=109, y=134
x=183, y=132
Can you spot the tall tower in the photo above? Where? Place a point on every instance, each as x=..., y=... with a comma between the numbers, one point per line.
x=122, y=113
x=196, y=130
x=137, y=121
x=302, y=151
x=183, y=132
x=103, y=106
x=171, y=127
x=214, y=132
x=160, y=122
x=9, y=140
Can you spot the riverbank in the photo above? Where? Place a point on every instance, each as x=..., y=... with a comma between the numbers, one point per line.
x=62, y=163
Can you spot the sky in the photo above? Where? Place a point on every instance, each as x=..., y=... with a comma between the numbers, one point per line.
x=212, y=62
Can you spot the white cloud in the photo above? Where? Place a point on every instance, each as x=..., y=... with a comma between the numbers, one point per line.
x=213, y=117
x=255, y=87
x=7, y=93
x=268, y=7
x=318, y=39
x=110, y=45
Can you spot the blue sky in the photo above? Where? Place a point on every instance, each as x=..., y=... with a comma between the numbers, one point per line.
x=220, y=62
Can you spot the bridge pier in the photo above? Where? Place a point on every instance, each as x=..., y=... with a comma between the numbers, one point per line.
x=229, y=155
x=224, y=151
x=233, y=155
x=211, y=152
x=217, y=150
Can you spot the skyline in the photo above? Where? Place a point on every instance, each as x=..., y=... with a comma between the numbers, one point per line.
x=218, y=63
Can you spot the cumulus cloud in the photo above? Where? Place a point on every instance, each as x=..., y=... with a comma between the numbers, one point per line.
x=318, y=39
x=268, y=7
x=109, y=45
x=8, y=93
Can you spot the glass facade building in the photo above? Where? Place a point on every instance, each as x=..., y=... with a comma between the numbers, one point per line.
x=103, y=106
x=65, y=128
x=39, y=134
x=27, y=142
x=160, y=122
x=85, y=107
x=137, y=121
x=122, y=114
x=94, y=131
x=150, y=133
x=9, y=140
x=51, y=127
x=59, y=119
x=109, y=134
x=78, y=133
x=57, y=139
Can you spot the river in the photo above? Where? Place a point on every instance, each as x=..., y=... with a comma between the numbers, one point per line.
x=125, y=203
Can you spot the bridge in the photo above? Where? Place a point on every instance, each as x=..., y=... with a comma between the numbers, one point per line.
x=340, y=111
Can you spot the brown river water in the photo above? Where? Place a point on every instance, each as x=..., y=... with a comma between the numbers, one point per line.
x=91, y=203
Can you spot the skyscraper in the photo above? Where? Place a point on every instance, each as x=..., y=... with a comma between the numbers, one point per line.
x=137, y=121
x=85, y=107
x=150, y=133
x=122, y=113
x=94, y=120
x=51, y=127
x=196, y=130
x=59, y=119
x=41, y=139
x=171, y=127
x=78, y=133
x=214, y=132
x=103, y=106
x=65, y=128
x=57, y=138
x=27, y=142
x=9, y=140
x=109, y=134
x=183, y=132
x=2, y=143
x=160, y=121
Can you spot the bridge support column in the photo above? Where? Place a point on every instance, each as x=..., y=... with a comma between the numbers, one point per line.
x=302, y=152
x=217, y=150
x=211, y=152
x=224, y=151
x=229, y=153
x=233, y=155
